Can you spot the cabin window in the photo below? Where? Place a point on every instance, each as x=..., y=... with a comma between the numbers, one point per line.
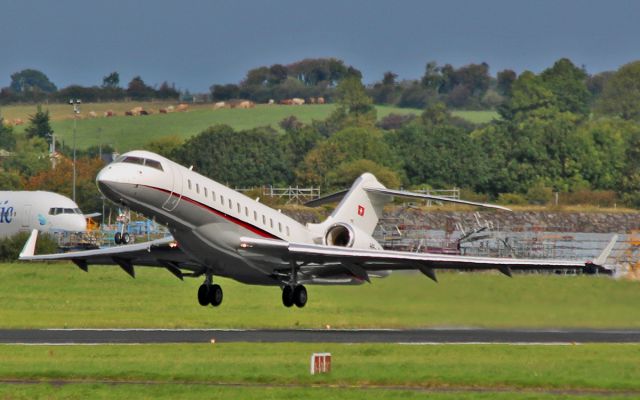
x=205, y=192
x=288, y=234
x=189, y=183
x=264, y=220
x=246, y=211
x=213, y=194
x=222, y=199
x=255, y=215
x=197, y=188
x=230, y=204
x=279, y=227
x=271, y=222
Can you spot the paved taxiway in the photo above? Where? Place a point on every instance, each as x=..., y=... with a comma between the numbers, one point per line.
x=113, y=336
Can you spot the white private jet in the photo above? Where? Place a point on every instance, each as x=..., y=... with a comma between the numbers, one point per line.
x=47, y=212
x=220, y=232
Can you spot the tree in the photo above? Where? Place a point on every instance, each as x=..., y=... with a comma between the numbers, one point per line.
x=353, y=99
x=568, y=84
x=505, y=81
x=138, y=90
x=346, y=173
x=528, y=93
x=621, y=94
x=165, y=145
x=225, y=92
x=111, y=81
x=7, y=137
x=167, y=92
x=244, y=158
x=30, y=80
x=39, y=125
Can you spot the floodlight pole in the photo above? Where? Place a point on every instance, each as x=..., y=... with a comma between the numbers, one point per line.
x=76, y=110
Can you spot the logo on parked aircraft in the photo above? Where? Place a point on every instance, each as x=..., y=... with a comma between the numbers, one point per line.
x=6, y=213
x=361, y=211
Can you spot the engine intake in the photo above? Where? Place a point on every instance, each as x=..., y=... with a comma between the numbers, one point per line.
x=340, y=235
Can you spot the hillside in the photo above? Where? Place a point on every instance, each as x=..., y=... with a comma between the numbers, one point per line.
x=125, y=133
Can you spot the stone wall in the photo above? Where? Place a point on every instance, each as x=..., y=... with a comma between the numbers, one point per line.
x=591, y=222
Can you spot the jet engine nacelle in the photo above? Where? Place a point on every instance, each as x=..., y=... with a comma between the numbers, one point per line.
x=345, y=235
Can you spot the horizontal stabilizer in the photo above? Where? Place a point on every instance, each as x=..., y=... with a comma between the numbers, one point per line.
x=331, y=198
x=412, y=195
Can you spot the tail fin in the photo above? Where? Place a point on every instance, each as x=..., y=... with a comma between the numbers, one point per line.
x=360, y=207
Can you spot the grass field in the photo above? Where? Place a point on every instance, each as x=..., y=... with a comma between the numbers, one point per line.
x=61, y=295
x=125, y=133
x=281, y=370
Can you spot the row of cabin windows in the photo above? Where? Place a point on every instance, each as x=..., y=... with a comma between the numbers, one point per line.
x=246, y=209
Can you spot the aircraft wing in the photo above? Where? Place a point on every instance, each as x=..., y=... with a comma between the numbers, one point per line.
x=362, y=262
x=156, y=253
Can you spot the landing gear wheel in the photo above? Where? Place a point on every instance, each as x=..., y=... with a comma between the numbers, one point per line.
x=125, y=238
x=300, y=296
x=215, y=295
x=203, y=295
x=117, y=238
x=287, y=296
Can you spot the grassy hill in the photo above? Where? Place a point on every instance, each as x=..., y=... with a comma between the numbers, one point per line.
x=126, y=133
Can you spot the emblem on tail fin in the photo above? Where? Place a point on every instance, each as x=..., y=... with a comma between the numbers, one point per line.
x=360, y=210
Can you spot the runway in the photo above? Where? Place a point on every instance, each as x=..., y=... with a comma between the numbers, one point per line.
x=407, y=336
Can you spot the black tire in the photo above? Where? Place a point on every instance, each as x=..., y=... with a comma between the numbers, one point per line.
x=300, y=296
x=117, y=237
x=203, y=295
x=287, y=296
x=215, y=295
x=125, y=238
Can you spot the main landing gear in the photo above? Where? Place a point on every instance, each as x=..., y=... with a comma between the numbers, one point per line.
x=209, y=293
x=293, y=293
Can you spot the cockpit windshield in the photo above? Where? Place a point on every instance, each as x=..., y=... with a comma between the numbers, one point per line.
x=140, y=161
x=60, y=210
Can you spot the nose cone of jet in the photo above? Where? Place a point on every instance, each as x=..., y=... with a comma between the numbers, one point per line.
x=107, y=181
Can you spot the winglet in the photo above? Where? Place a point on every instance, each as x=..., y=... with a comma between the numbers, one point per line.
x=29, y=248
x=602, y=258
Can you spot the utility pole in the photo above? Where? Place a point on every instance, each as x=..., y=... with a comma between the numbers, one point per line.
x=76, y=110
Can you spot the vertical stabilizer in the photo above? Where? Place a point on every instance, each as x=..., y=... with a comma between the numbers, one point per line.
x=360, y=208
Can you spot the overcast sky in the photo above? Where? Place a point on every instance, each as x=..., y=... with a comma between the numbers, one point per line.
x=197, y=43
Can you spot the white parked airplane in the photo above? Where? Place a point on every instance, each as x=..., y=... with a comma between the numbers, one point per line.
x=220, y=232
x=24, y=211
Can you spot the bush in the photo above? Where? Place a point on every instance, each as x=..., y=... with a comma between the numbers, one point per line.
x=11, y=246
x=539, y=194
x=511, y=199
x=600, y=198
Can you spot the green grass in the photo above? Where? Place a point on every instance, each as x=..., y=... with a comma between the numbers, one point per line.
x=61, y=295
x=126, y=133
x=511, y=369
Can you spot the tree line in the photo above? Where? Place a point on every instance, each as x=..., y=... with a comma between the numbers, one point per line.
x=552, y=136
x=34, y=86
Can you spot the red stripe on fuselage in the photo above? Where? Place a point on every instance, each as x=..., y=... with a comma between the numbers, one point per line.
x=245, y=225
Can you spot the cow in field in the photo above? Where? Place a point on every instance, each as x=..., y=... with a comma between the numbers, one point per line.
x=17, y=121
x=320, y=100
x=219, y=105
x=271, y=101
x=312, y=100
x=92, y=114
x=171, y=109
x=297, y=101
x=182, y=107
x=128, y=113
x=162, y=111
x=109, y=113
x=286, y=102
x=245, y=104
